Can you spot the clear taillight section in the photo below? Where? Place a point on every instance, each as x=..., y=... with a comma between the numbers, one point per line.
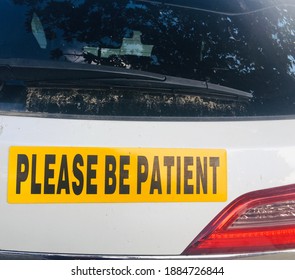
x=280, y=213
x=258, y=221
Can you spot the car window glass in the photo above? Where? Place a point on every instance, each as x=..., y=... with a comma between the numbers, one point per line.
x=246, y=45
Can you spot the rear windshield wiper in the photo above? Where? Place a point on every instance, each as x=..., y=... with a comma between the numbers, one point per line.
x=36, y=73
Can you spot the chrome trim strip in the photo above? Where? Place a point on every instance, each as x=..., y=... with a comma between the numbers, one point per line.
x=5, y=113
x=26, y=255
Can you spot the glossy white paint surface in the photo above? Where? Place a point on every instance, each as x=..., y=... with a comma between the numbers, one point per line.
x=261, y=154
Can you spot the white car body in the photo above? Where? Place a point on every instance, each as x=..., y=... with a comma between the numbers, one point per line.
x=260, y=155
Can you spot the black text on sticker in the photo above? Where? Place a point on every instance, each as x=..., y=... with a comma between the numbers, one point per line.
x=124, y=174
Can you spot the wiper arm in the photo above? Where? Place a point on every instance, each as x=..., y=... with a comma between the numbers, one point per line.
x=36, y=73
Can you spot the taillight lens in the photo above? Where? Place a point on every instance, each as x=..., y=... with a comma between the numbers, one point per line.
x=258, y=221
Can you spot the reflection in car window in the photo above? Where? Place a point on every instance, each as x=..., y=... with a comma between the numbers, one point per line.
x=38, y=31
x=247, y=45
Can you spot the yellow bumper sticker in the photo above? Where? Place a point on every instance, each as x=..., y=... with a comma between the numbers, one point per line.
x=116, y=175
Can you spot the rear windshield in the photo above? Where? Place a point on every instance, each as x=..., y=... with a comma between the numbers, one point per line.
x=246, y=45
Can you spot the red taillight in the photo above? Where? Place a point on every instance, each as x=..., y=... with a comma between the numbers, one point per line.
x=258, y=221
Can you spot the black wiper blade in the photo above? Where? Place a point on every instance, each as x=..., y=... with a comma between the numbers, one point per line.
x=36, y=73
